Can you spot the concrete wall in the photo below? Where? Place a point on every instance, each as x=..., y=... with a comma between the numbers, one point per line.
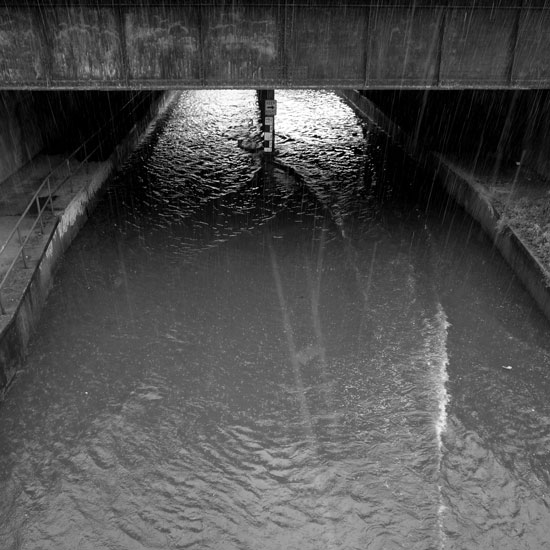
x=489, y=126
x=257, y=43
x=536, y=139
x=21, y=134
x=55, y=121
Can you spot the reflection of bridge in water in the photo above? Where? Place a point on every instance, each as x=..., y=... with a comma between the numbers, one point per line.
x=406, y=44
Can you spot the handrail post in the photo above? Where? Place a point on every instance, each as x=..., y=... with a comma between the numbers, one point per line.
x=40, y=215
x=50, y=195
x=22, y=248
x=23, y=258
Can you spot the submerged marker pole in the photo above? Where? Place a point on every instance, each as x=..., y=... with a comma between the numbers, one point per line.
x=268, y=110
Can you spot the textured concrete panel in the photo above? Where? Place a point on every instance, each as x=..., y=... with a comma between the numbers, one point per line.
x=403, y=46
x=532, y=59
x=476, y=46
x=256, y=43
x=241, y=44
x=163, y=42
x=20, y=46
x=85, y=43
x=326, y=44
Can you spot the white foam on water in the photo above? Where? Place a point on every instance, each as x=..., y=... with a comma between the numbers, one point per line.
x=439, y=360
x=442, y=377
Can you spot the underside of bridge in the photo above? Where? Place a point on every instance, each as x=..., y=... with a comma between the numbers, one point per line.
x=290, y=43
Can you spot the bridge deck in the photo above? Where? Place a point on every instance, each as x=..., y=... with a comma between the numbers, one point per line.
x=290, y=43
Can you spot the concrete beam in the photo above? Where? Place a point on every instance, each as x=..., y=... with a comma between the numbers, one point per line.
x=476, y=46
x=291, y=43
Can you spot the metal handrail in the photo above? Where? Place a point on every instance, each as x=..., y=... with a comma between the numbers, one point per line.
x=35, y=200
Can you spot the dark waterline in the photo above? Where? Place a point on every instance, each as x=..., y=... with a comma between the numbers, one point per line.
x=235, y=359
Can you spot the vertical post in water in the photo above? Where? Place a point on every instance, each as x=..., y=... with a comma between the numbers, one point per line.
x=268, y=110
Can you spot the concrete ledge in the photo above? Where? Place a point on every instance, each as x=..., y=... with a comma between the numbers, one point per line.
x=17, y=332
x=471, y=196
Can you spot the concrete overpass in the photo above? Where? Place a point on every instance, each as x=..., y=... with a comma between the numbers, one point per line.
x=417, y=44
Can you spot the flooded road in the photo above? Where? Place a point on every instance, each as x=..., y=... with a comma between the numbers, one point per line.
x=233, y=359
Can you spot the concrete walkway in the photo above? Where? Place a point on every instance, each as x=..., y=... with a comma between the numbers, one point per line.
x=16, y=192
x=519, y=196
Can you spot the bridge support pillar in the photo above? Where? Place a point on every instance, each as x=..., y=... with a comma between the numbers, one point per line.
x=268, y=110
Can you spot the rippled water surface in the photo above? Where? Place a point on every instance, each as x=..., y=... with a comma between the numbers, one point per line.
x=234, y=358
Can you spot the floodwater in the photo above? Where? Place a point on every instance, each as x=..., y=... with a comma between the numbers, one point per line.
x=237, y=359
